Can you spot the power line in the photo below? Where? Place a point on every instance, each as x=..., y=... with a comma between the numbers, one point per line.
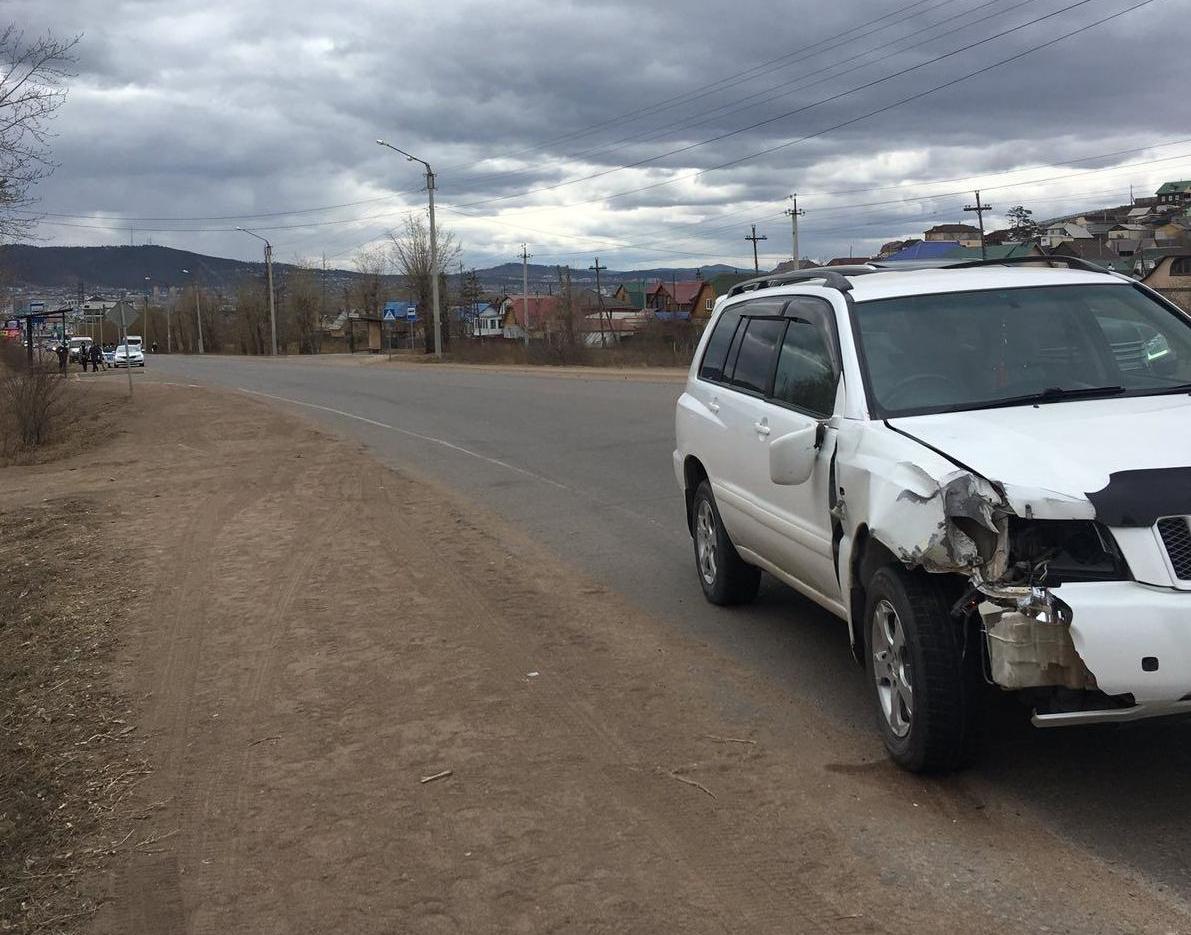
x=614, y=146
x=790, y=113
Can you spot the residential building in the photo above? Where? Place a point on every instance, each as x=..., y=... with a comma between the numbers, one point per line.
x=997, y=251
x=631, y=295
x=542, y=310
x=489, y=323
x=1096, y=251
x=926, y=250
x=1171, y=275
x=1175, y=193
x=1059, y=231
x=964, y=234
x=893, y=246
x=691, y=299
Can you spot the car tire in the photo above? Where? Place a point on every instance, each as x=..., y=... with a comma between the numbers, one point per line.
x=925, y=685
x=726, y=578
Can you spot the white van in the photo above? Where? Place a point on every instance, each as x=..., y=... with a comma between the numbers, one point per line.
x=79, y=345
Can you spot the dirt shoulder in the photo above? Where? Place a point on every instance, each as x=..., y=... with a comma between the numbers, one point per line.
x=306, y=636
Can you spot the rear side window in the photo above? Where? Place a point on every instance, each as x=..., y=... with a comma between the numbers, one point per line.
x=717, y=347
x=720, y=355
x=758, y=348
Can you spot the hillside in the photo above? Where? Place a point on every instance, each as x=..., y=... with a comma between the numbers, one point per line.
x=125, y=267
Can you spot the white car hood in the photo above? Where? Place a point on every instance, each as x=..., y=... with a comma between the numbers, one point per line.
x=1056, y=453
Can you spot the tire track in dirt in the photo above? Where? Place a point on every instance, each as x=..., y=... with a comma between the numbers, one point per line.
x=149, y=891
x=743, y=889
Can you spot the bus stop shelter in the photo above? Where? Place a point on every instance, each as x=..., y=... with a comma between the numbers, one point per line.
x=28, y=321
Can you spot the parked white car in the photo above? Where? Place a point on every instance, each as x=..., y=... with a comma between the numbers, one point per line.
x=984, y=469
x=128, y=355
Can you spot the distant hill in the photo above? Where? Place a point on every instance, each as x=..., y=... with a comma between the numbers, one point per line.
x=120, y=267
x=125, y=267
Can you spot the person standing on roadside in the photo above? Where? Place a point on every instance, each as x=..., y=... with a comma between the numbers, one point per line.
x=63, y=354
x=83, y=357
x=96, y=358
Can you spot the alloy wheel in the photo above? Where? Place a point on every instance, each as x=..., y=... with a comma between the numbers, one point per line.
x=705, y=543
x=891, y=668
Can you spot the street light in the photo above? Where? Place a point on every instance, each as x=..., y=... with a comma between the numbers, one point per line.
x=198, y=314
x=269, y=267
x=145, y=339
x=433, y=242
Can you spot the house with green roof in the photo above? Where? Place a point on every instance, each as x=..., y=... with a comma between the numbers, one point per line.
x=1175, y=193
x=998, y=251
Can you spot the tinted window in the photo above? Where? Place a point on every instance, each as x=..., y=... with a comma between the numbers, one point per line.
x=717, y=347
x=758, y=347
x=805, y=376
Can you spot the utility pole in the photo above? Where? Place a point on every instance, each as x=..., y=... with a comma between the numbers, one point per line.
x=979, y=209
x=754, y=238
x=525, y=293
x=124, y=332
x=145, y=339
x=430, y=180
x=600, y=302
x=269, y=272
x=198, y=312
x=794, y=212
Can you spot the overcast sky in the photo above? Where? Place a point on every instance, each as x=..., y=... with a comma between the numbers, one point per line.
x=232, y=108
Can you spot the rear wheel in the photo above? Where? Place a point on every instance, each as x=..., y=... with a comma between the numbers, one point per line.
x=726, y=577
x=926, y=687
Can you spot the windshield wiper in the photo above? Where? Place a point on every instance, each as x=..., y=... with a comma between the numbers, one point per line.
x=1175, y=388
x=1053, y=394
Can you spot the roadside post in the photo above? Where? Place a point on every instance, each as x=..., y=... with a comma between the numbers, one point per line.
x=119, y=318
x=127, y=361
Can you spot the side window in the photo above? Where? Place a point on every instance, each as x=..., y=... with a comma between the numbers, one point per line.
x=758, y=348
x=717, y=348
x=806, y=377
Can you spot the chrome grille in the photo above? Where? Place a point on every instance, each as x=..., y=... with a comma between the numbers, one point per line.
x=1176, y=536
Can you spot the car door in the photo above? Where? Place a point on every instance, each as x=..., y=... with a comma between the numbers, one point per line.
x=731, y=402
x=802, y=395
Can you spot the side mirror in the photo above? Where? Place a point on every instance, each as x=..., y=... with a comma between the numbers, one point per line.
x=792, y=457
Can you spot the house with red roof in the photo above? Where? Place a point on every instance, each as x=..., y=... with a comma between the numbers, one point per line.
x=543, y=315
x=693, y=299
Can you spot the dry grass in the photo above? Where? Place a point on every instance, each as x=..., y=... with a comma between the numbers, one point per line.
x=68, y=747
x=657, y=345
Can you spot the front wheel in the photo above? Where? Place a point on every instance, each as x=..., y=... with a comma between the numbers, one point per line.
x=924, y=683
x=726, y=577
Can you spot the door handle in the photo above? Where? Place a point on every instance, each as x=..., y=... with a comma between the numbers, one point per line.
x=762, y=427
x=714, y=405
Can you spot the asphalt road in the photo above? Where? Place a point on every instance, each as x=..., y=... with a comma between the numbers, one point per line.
x=584, y=467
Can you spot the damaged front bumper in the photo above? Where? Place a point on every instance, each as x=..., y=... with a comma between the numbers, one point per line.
x=1128, y=641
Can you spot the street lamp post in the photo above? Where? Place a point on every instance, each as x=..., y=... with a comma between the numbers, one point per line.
x=145, y=339
x=433, y=243
x=269, y=268
x=198, y=313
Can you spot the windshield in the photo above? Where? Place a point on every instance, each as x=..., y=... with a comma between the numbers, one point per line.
x=975, y=350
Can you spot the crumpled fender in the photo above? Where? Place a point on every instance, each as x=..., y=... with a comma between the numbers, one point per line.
x=919, y=505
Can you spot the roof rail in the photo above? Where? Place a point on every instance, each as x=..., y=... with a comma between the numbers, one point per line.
x=832, y=279
x=1071, y=262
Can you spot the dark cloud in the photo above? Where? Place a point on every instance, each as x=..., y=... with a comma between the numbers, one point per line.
x=237, y=108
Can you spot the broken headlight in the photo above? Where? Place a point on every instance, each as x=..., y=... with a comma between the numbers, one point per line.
x=1049, y=552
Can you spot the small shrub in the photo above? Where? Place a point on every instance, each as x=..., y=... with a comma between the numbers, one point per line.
x=29, y=396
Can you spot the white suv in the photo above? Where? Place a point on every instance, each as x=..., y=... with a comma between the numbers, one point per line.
x=985, y=469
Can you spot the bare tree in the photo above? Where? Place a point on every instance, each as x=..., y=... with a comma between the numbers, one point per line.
x=305, y=309
x=33, y=78
x=411, y=257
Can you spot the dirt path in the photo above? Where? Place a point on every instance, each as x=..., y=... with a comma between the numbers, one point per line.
x=313, y=634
